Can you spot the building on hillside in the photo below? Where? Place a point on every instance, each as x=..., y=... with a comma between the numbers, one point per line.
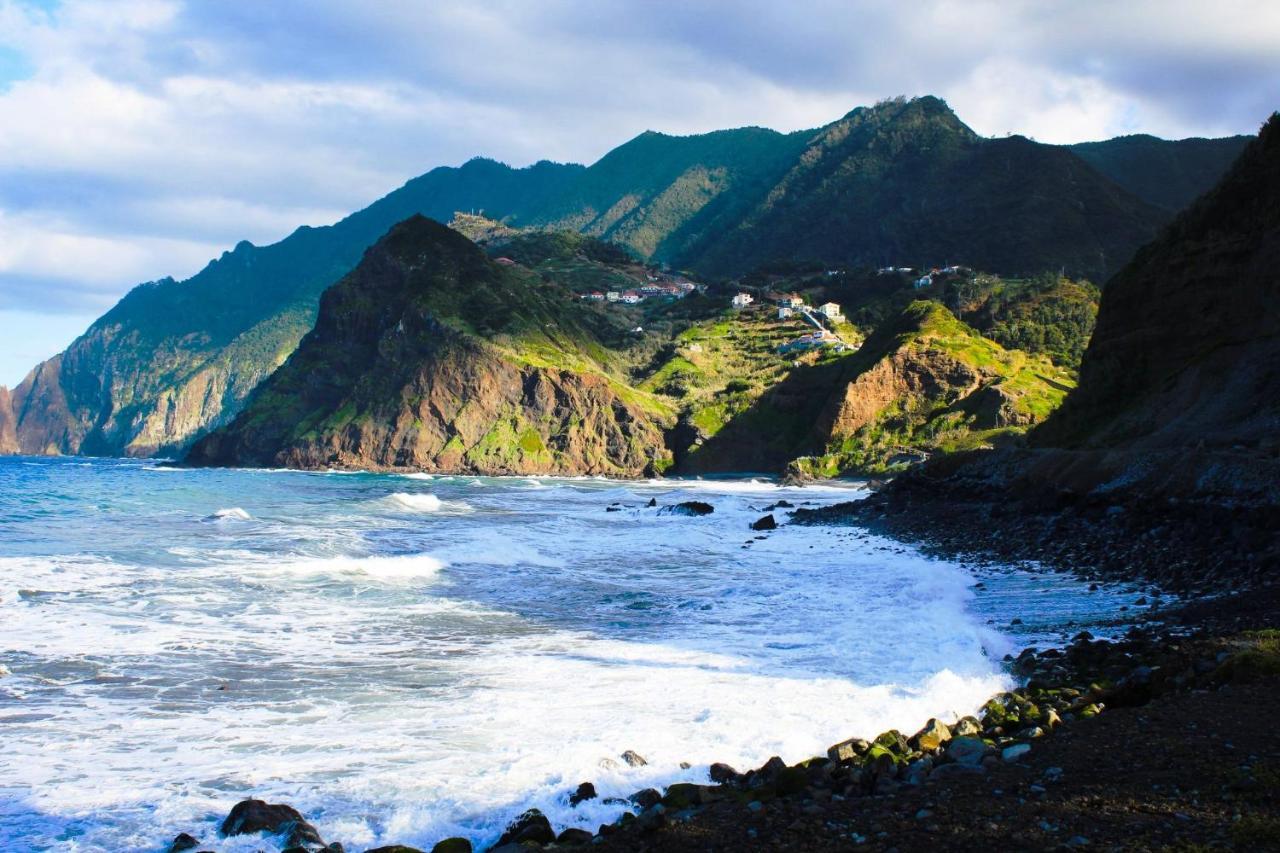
x=791, y=300
x=695, y=347
x=830, y=310
x=784, y=312
x=742, y=300
x=815, y=340
x=506, y=262
x=924, y=281
x=613, y=296
x=593, y=296
x=632, y=297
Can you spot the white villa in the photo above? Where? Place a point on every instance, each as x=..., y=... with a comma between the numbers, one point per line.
x=784, y=312
x=742, y=300
x=830, y=310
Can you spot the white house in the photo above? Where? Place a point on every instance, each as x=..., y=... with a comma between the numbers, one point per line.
x=742, y=300
x=924, y=281
x=613, y=296
x=594, y=296
x=632, y=297
x=830, y=310
x=784, y=312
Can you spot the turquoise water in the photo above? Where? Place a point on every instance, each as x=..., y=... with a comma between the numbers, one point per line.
x=409, y=657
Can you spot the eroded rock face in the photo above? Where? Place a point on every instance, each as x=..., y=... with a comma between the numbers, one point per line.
x=398, y=375
x=8, y=426
x=902, y=379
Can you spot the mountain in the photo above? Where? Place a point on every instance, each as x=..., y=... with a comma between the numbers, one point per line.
x=923, y=382
x=906, y=182
x=901, y=182
x=1168, y=174
x=1183, y=371
x=174, y=359
x=429, y=356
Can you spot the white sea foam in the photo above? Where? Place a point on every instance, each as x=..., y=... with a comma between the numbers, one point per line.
x=418, y=475
x=234, y=513
x=400, y=681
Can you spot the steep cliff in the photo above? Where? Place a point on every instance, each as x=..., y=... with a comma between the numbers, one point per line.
x=429, y=356
x=1187, y=346
x=8, y=425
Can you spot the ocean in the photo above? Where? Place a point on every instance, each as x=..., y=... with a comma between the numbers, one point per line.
x=408, y=657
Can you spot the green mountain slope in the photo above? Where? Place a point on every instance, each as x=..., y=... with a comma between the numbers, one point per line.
x=902, y=182
x=907, y=183
x=921, y=383
x=1166, y=173
x=430, y=356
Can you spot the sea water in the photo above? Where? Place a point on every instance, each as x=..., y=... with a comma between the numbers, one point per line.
x=408, y=657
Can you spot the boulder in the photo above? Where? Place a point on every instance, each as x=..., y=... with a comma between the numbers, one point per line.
x=967, y=750
x=682, y=795
x=932, y=736
x=688, y=508
x=1012, y=753
x=574, y=837
x=767, y=522
x=645, y=798
x=183, y=842
x=400, y=848
x=966, y=727
x=248, y=817
x=633, y=759
x=723, y=773
x=893, y=741
x=532, y=826
x=848, y=751
x=586, y=791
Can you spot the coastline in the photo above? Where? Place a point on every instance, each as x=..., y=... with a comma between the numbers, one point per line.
x=969, y=785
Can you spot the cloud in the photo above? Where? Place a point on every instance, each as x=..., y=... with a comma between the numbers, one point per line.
x=143, y=136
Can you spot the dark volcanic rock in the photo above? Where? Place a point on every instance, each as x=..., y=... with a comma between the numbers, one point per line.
x=183, y=842
x=768, y=522
x=688, y=508
x=586, y=791
x=532, y=826
x=253, y=816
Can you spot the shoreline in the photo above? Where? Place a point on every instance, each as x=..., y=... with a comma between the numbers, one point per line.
x=1059, y=691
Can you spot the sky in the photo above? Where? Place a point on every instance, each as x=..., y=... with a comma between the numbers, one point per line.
x=141, y=138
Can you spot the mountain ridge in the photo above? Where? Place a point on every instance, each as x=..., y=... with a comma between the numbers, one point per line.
x=173, y=360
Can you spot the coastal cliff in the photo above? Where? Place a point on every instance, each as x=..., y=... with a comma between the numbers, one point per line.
x=429, y=356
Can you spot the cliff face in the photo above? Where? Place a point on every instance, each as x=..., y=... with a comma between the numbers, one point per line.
x=428, y=356
x=1186, y=352
x=8, y=427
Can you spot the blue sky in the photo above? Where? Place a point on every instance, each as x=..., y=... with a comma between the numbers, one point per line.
x=142, y=137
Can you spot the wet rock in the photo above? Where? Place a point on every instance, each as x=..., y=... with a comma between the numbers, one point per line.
x=779, y=505
x=652, y=502
x=723, y=773
x=966, y=750
x=681, y=795
x=574, y=837
x=767, y=522
x=452, y=845
x=613, y=508
x=532, y=826
x=183, y=842
x=400, y=848
x=254, y=816
x=932, y=736
x=633, y=759
x=688, y=508
x=848, y=751
x=893, y=741
x=966, y=727
x=586, y=791
x=645, y=798
x=1013, y=753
